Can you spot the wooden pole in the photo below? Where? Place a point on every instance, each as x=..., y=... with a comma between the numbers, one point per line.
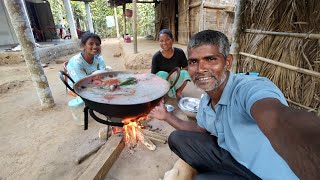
x=298, y=35
x=124, y=19
x=188, y=22
x=236, y=31
x=134, y=27
x=201, y=21
x=116, y=21
x=21, y=25
x=303, y=106
x=287, y=66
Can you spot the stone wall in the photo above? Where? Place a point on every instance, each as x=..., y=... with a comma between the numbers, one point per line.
x=47, y=54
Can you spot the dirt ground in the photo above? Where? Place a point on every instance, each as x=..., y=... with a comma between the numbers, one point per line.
x=38, y=144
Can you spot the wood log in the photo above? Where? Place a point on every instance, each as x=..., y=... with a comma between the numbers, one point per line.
x=155, y=135
x=156, y=139
x=144, y=140
x=107, y=155
x=132, y=136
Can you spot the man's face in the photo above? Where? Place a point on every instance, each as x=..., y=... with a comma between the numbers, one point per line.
x=208, y=67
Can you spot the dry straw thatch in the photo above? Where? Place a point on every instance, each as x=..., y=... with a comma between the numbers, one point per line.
x=290, y=16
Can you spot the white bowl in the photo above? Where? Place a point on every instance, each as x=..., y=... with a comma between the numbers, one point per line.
x=189, y=106
x=169, y=107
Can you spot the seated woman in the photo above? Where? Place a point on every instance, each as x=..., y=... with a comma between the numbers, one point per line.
x=89, y=60
x=165, y=60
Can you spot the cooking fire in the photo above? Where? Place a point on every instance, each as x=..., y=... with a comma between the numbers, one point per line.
x=133, y=132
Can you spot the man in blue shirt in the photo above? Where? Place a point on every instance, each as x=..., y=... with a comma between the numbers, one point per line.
x=245, y=129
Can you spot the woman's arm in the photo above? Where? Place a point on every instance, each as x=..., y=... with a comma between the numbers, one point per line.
x=293, y=133
x=154, y=65
x=102, y=64
x=183, y=62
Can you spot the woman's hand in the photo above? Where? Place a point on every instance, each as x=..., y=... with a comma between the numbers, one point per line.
x=159, y=112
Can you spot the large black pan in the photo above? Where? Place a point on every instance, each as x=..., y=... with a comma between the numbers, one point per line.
x=122, y=110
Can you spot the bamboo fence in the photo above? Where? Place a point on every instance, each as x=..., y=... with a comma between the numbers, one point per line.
x=280, y=39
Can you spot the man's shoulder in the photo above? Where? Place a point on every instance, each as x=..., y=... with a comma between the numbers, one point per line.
x=249, y=81
x=253, y=87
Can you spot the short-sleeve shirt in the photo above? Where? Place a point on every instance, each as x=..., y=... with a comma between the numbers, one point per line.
x=78, y=68
x=160, y=63
x=237, y=131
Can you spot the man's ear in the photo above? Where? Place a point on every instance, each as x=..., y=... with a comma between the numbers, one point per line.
x=229, y=60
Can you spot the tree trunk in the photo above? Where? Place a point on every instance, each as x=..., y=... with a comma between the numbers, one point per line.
x=22, y=28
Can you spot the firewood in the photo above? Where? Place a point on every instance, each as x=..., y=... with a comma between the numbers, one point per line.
x=145, y=140
x=155, y=135
x=156, y=139
x=132, y=137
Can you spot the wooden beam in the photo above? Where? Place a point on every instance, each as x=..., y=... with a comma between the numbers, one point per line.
x=213, y=6
x=298, y=35
x=201, y=21
x=283, y=65
x=303, y=106
x=195, y=5
x=106, y=157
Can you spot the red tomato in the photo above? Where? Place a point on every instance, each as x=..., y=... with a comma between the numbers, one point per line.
x=111, y=82
x=97, y=82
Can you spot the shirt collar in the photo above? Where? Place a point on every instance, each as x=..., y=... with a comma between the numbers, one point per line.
x=226, y=94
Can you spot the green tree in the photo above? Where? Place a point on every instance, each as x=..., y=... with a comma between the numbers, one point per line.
x=146, y=18
x=99, y=10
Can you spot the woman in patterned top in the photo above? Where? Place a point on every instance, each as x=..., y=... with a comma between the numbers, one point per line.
x=89, y=60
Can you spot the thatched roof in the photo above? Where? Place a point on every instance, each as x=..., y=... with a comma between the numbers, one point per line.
x=287, y=33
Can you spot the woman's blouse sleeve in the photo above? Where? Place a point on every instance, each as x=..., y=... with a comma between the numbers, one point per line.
x=76, y=69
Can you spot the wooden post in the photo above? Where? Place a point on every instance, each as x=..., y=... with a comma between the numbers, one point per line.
x=73, y=30
x=134, y=26
x=22, y=28
x=201, y=22
x=236, y=31
x=124, y=19
x=116, y=20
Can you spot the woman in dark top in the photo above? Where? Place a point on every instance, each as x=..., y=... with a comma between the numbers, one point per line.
x=165, y=60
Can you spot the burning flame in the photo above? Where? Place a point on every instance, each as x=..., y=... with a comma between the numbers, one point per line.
x=132, y=128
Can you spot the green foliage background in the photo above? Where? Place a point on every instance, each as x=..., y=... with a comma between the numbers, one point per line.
x=99, y=10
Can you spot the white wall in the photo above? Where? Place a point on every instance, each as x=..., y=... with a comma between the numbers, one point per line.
x=7, y=35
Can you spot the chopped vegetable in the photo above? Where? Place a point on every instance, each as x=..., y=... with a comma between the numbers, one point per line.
x=129, y=81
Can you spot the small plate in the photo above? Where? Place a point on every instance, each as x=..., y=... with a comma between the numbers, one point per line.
x=169, y=107
x=189, y=104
